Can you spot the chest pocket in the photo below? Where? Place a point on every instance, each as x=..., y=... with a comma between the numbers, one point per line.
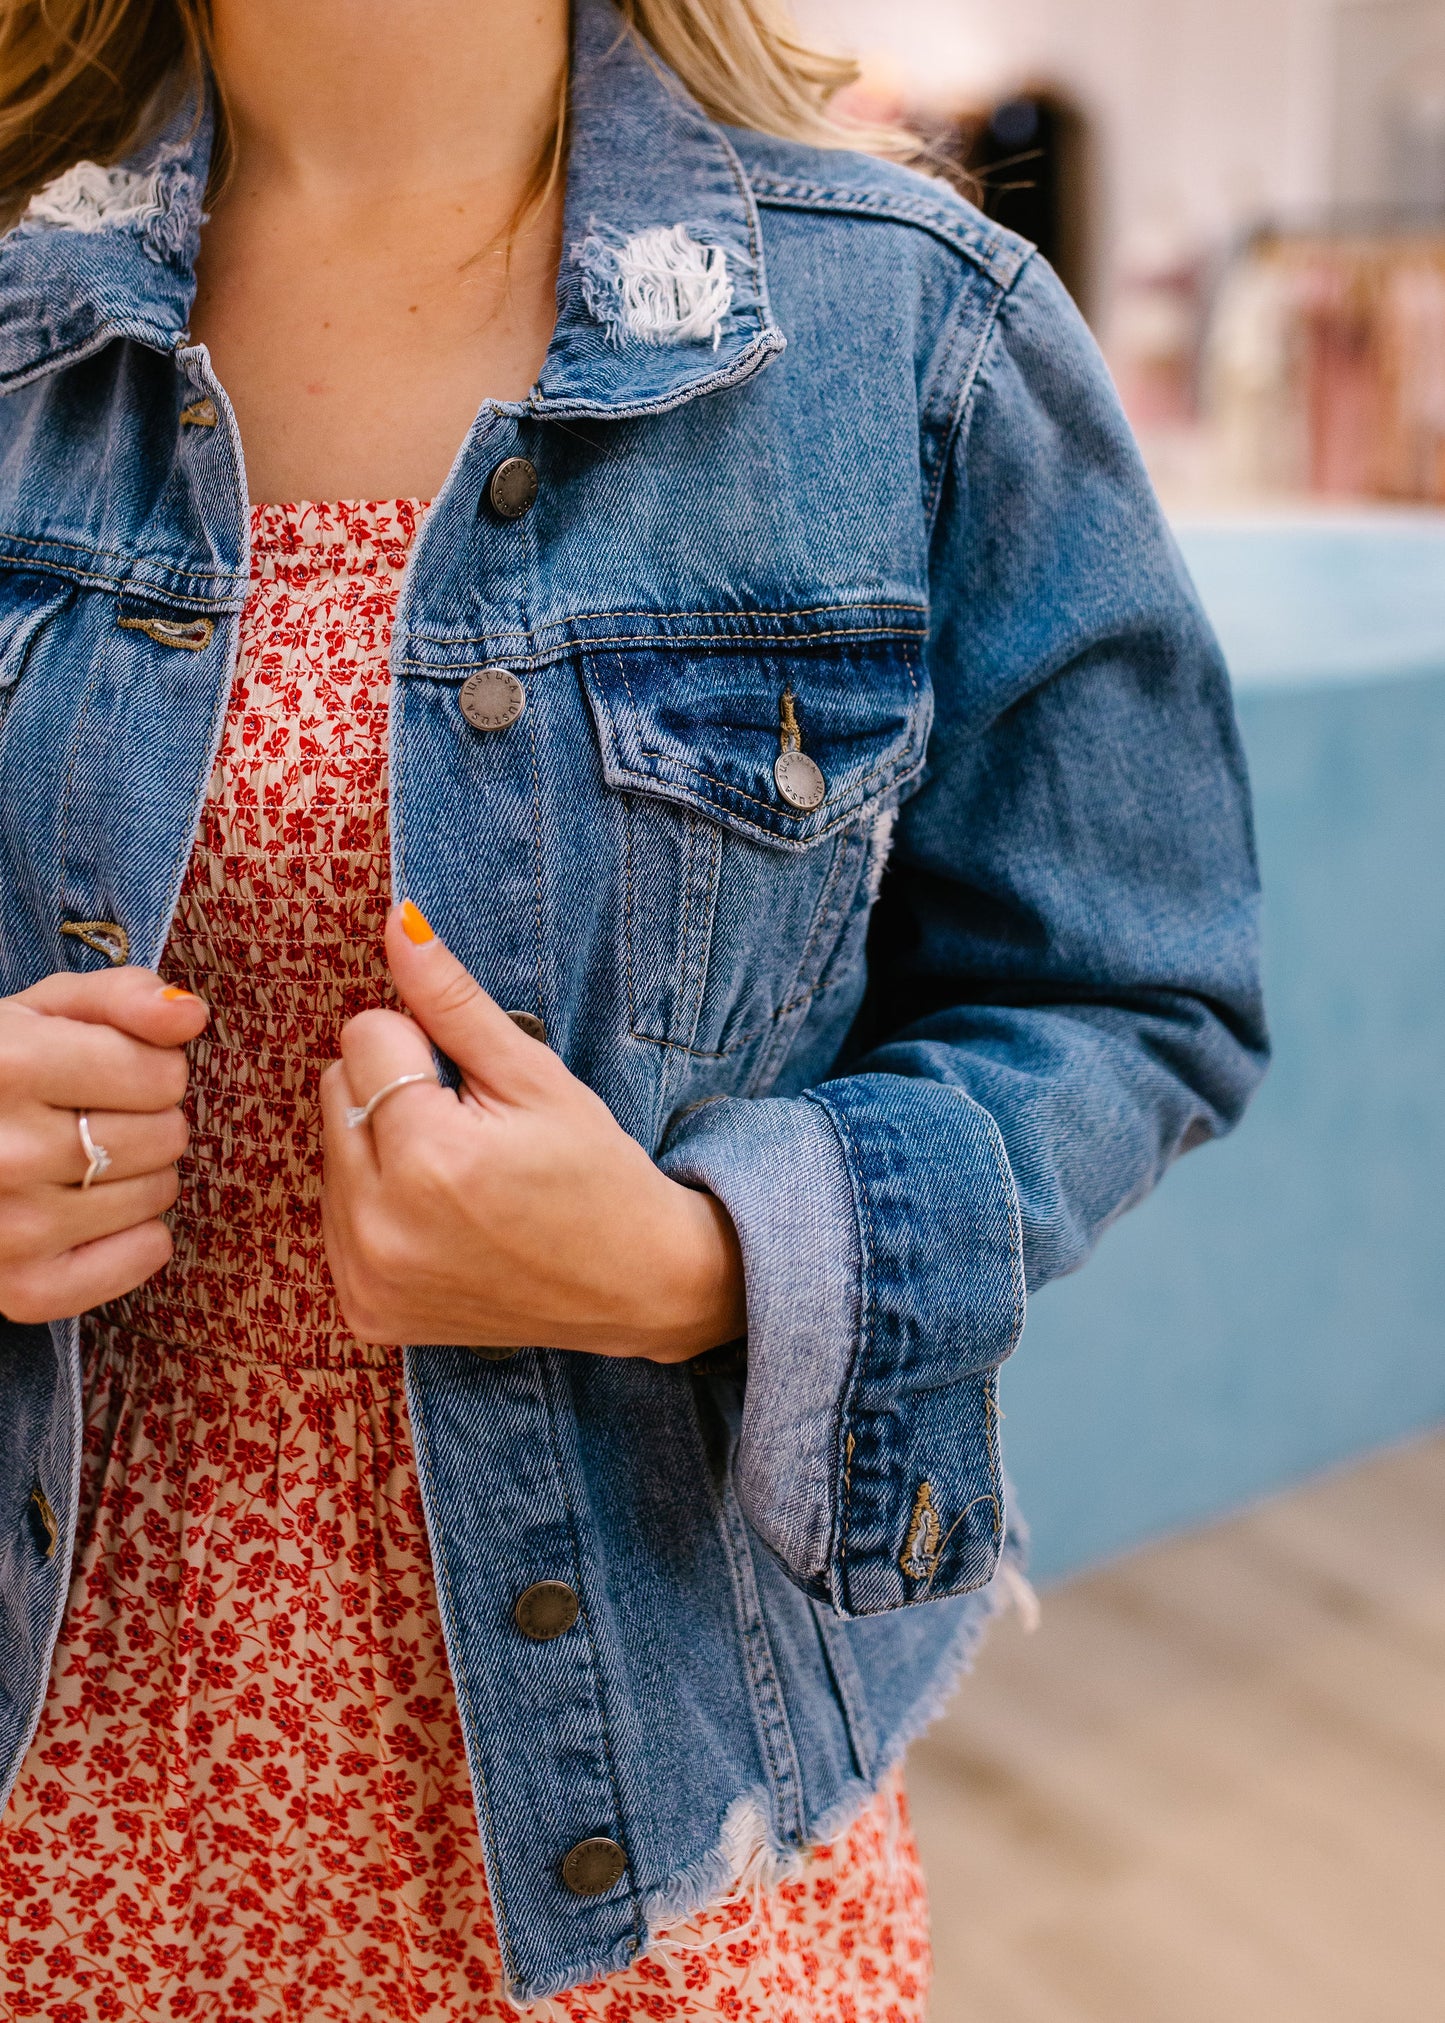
x=757, y=786
x=29, y=599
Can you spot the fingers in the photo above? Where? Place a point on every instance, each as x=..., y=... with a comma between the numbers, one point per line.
x=45, y=1147
x=134, y=1001
x=455, y=1012
x=74, y=1064
x=55, y=1288
x=45, y=1224
x=378, y=1048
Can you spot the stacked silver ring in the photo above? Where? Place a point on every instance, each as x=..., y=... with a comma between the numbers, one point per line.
x=96, y=1155
x=362, y=1113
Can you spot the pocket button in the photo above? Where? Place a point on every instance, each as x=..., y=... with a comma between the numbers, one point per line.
x=800, y=781
x=492, y=698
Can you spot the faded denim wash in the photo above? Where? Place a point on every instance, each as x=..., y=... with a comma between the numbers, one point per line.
x=925, y=1041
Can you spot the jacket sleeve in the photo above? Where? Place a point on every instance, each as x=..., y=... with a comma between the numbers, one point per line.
x=1063, y=992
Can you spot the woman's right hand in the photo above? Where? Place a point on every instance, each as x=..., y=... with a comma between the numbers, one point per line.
x=110, y=1045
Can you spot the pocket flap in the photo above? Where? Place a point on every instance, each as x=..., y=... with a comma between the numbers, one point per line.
x=704, y=726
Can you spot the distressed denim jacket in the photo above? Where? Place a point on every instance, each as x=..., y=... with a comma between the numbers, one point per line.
x=874, y=838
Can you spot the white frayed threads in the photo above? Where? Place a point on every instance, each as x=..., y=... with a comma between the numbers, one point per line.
x=1021, y=1595
x=89, y=198
x=880, y=842
x=665, y=287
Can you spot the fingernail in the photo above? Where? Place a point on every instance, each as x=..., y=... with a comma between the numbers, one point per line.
x=174, y=991
x=414, y=923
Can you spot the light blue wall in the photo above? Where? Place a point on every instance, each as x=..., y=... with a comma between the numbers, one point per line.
x=1279, y=1305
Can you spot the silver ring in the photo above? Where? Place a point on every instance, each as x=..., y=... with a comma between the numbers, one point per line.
x=357, y=1117
x=97, y=1155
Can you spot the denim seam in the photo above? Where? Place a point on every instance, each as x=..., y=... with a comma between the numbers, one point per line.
x=962, y=407
x=868, y=1245
x=860, y=1346
x=745, y=1039
x=26, y=542
x=696, y=923
x=802, y=990
x=550, y=1376
x=421, y=1440
x=72, y=760
x=537, y=861
x=707, y=611
x=755, y=353
x=89, y=347
x=941, y=398
x=750, y=1620
x=981, y=250
x=754, y=223
x=868, y=787
x=764, y=1687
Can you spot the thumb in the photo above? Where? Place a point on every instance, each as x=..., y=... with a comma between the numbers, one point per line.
x=453, y=1010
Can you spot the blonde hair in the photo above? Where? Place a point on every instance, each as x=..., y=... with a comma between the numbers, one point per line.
x=80, y=78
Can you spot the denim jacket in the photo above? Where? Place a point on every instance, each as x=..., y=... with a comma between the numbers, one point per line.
x=874, y=838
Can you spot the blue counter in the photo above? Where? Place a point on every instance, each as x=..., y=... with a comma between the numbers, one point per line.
x=1279, y=1305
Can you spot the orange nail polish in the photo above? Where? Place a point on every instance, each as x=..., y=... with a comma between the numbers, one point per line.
x=414, y=923
x=174, y=991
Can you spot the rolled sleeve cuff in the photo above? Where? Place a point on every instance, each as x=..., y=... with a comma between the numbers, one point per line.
x=882, y=1252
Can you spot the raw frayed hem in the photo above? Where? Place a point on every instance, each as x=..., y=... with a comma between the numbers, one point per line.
x=748, y=1863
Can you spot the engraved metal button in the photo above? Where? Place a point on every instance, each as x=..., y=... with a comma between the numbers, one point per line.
x=546, y=1610
x=800, y=781
x=512, y=488
x=530, y=1024
x=492, y=698
x=593, y=1867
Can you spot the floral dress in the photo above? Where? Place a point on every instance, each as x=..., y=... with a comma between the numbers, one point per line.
x=248, y=1799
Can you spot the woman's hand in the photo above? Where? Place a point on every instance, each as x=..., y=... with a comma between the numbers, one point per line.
x=110, y=1045
x=518, y=1214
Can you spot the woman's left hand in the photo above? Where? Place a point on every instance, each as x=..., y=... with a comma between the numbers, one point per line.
x=517, y=1214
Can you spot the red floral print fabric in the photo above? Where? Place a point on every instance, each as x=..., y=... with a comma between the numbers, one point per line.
x=247, y=1799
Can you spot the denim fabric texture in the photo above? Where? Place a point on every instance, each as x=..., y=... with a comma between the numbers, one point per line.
x=925, y=1039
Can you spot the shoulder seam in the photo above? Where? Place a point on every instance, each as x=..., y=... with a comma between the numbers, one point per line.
x=999, y=255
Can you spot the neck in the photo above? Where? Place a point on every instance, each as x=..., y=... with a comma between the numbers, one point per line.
x=347, y=101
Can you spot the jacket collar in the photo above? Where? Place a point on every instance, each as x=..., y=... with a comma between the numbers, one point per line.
x=661, y=294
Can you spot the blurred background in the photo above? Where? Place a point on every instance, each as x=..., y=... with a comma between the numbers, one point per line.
x=1210, y=1788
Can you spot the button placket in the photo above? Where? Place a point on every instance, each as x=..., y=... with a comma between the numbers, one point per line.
x=553, y=1822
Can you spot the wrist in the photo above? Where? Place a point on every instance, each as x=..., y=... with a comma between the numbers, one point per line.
x=704, y=1301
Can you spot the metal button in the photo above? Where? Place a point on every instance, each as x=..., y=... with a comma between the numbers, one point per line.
x=593, y=1867
x=800, y=781
x=512, y=489
x=530, y=1024
x=546, y=1610
x=495, y=1355
x=492, y=698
